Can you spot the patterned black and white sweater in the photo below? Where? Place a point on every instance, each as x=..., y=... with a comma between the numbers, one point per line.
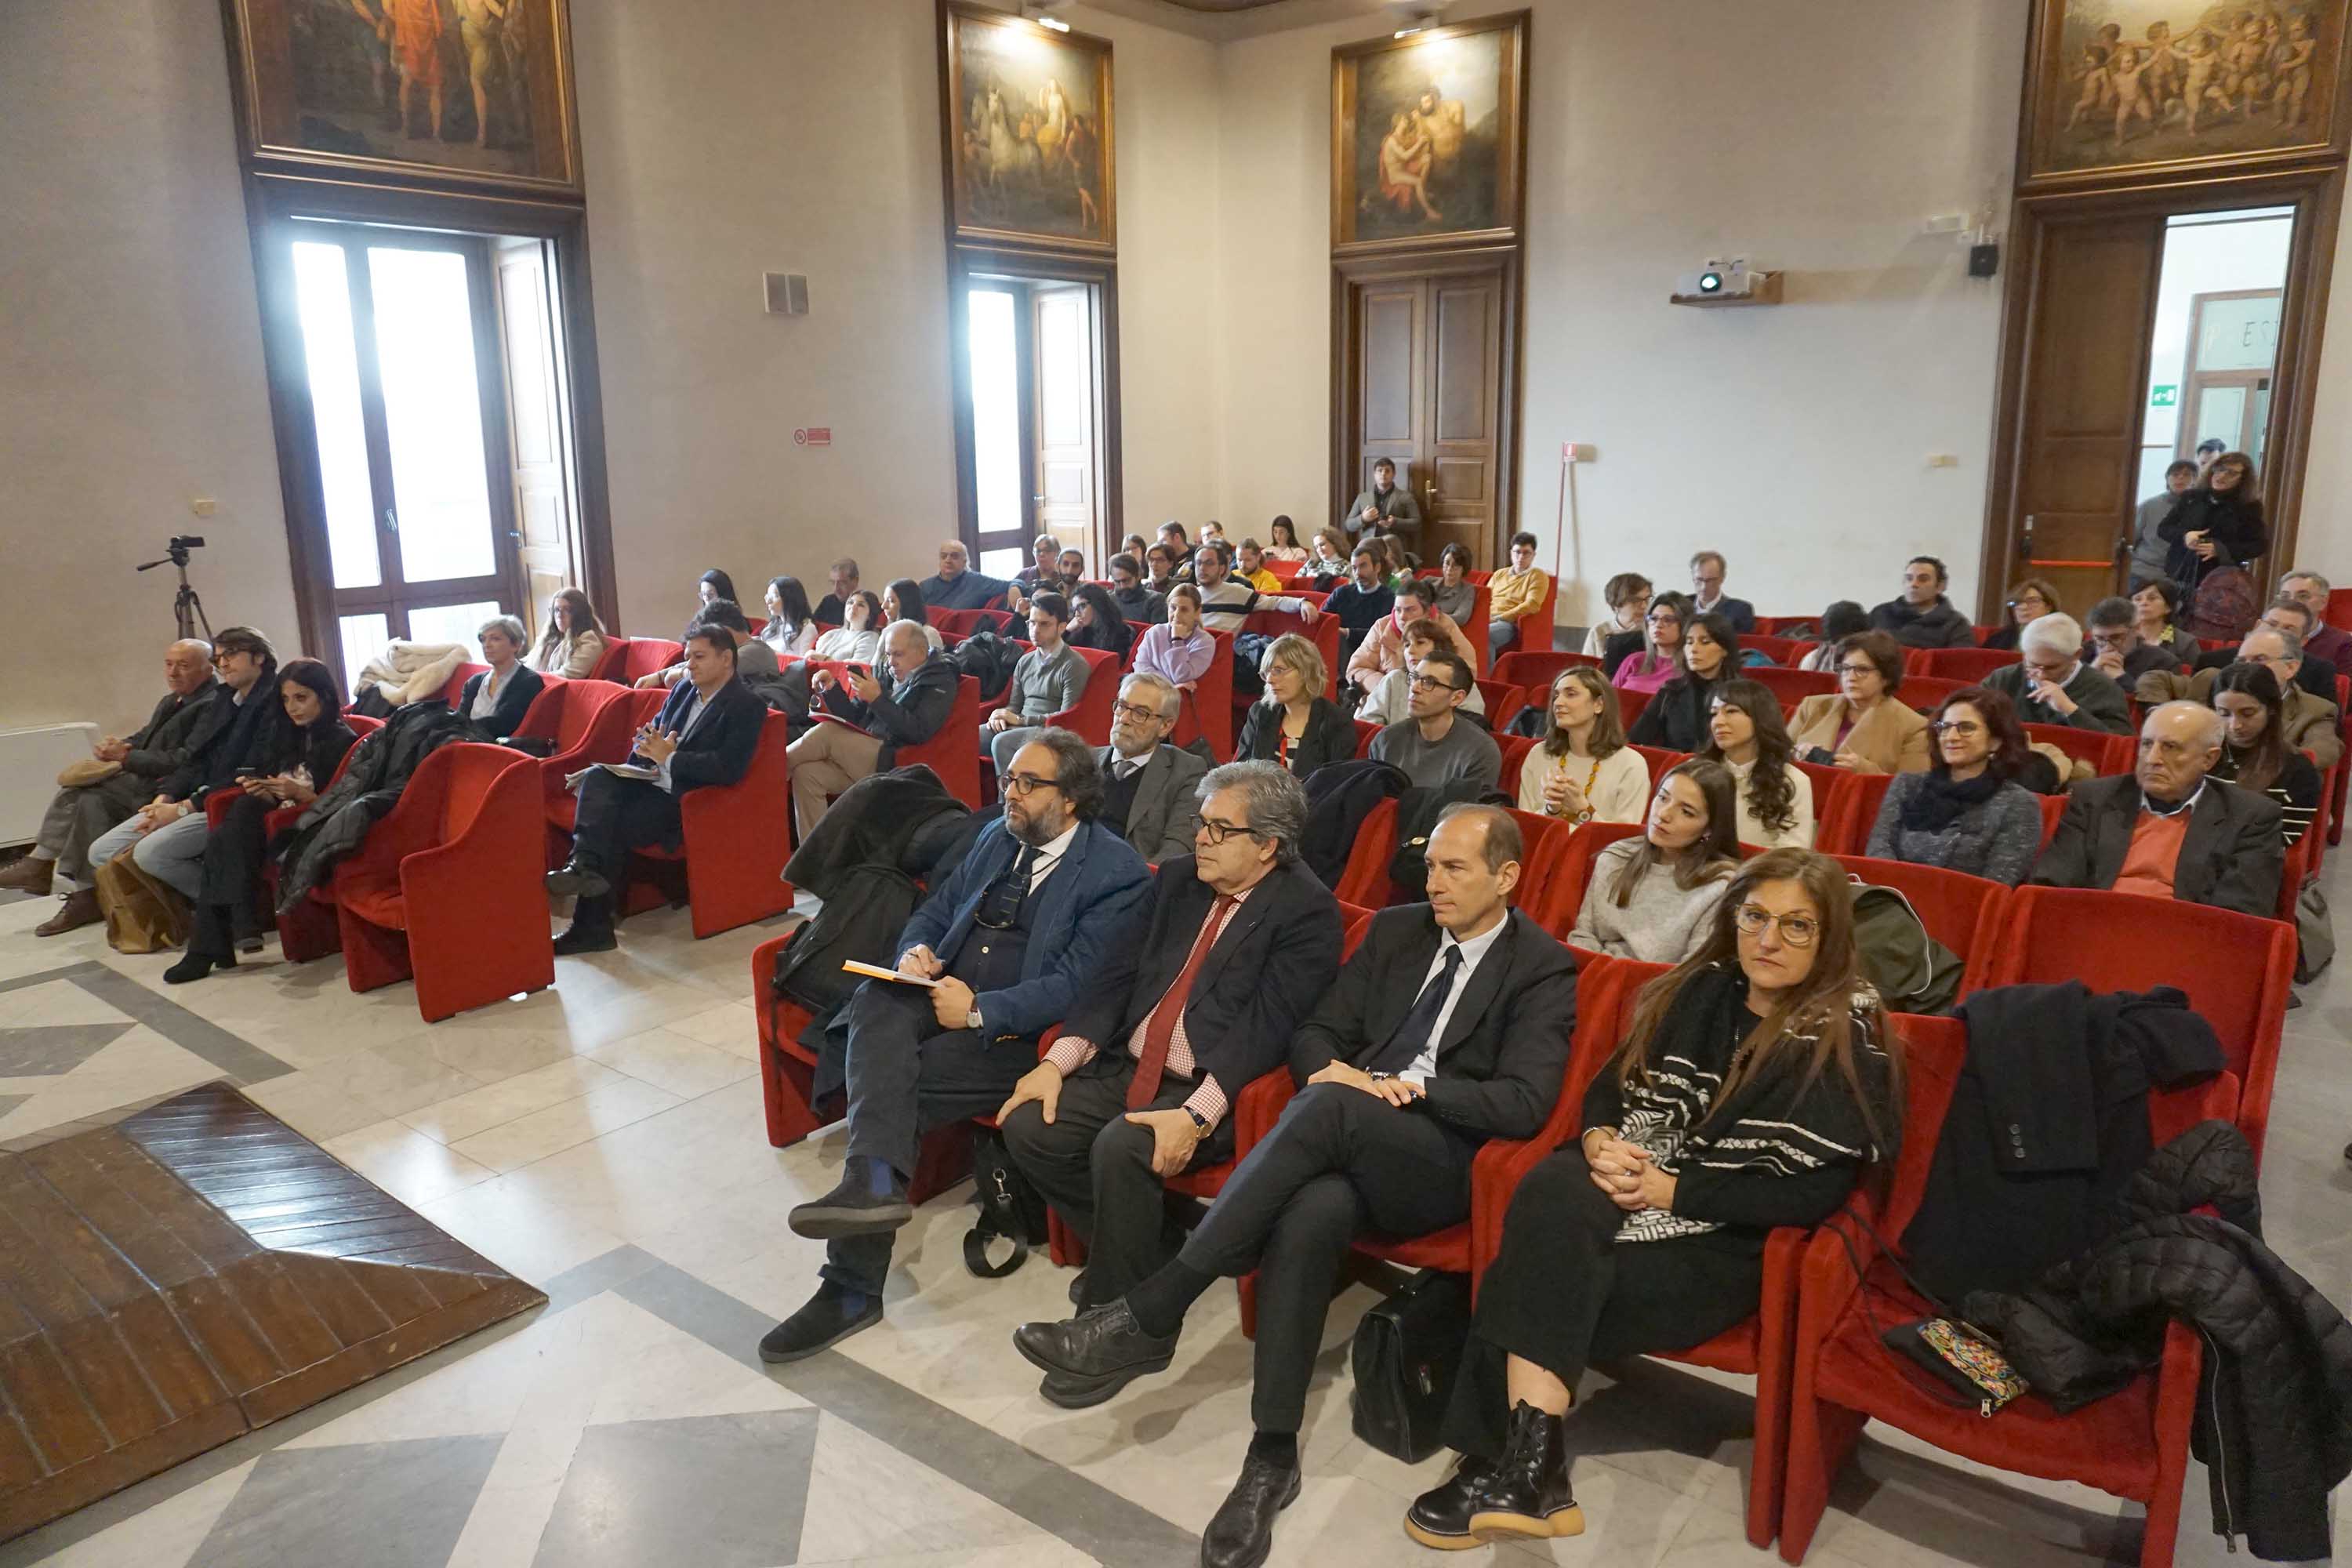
x=1783, y=1152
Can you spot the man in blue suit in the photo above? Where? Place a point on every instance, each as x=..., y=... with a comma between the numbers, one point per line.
x=706, y=734
x=1038, y=910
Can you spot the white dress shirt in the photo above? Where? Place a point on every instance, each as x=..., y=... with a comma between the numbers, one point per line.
x=1474, y=952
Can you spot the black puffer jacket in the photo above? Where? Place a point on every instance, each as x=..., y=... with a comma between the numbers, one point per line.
x=1339, y=797
x=380, y=767
x=2275, y=1409
x=2234, y=522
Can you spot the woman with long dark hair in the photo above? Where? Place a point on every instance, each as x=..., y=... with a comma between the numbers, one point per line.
x=858, y=640
x=1758, y=1085
x=1648, y=898
x=575, y=640
x=903, y=601
x=1584, y=772
x=1285, y=535
x=712, y=586
x=2254, y=753
x=1745, y=734
x=1678, y=713
x=2217, y=522
x=1659, y=658
x=1095, y=622
x=791, y=625
x=1968, y=812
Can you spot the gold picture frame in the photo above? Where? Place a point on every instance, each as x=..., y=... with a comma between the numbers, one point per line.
x=1027, y=123
x=1429, y=138
x=459, y=94
x=2120, y=90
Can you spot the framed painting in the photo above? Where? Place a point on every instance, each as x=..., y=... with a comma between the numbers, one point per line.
x=1429, y=136
x=2127, y=88
x=1027, y=118
x=460, y=93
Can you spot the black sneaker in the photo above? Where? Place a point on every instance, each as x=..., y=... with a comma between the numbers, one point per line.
x=1240, y=1533
x=831, y=1316
x=1440, y=1518
x=869, y=1200
x=1099, y=1345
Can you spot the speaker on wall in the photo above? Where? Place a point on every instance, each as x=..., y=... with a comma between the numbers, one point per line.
x=787, y=293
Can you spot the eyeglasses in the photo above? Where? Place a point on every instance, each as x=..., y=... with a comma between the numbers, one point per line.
x=1124, y=710
x=1797, y=931
x=1216, y=832
x=1028, y=784
x=1966, y=728
x=1863, y=668
x=1431, y=683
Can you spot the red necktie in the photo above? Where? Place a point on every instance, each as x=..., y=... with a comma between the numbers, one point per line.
x=1161, y=1027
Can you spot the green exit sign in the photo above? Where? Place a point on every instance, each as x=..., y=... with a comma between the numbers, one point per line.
x=2165, y=397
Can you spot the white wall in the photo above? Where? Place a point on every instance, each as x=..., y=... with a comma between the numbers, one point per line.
x=2324, y=531
x=131, y=376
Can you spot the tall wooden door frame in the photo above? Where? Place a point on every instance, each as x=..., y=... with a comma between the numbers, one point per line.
x=2316, y=194
x=273, y=200
x=1348, y=274
x=969, y=264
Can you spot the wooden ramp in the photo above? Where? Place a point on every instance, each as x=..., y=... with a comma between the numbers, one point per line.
x=192, y=1272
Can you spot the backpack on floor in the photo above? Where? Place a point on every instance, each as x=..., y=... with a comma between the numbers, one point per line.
x=1010, y=1209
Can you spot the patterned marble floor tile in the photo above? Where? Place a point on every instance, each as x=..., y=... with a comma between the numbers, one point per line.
x=372, y=1505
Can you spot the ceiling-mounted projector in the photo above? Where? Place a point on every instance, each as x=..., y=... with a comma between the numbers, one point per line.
x=1721, y=281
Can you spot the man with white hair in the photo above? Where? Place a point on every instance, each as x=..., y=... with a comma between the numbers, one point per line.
x=2308, y=723
x=2052, y=684
x=1147, y=785
x=2167, y=830
x=902, y=704
x=2330, y=645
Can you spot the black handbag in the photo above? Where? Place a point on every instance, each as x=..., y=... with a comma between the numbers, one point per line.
x=1406, y=1352
x=1010, y=1209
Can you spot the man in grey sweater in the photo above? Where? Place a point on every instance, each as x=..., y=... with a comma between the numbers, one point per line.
x=2053, y=684
x=1436, y=745
x=1050, y=677
x=2149, y=552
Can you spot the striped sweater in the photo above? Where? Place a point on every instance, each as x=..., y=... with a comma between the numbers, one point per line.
x=2296, y=789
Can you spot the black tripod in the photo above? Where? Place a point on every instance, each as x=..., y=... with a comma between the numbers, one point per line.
x=187, y=605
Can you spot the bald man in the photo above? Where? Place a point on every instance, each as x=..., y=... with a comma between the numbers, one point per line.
x=2167, y=830
x=959, y=587
x=78, y=814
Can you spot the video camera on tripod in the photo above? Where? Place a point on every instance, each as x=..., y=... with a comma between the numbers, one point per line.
x=187, y=608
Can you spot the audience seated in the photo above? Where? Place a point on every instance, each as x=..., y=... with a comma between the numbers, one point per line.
x=1707, y=569
x=791, y=628
x=2157, y=601
x=1744, y=734
x=1164, y=560
x=1628, y=597
x=1923, y=617
x=1583, y=771
x=1759, y=1083
x=903, y=601
x=1435, y=746
x=298, y=759
x=2149, y=552
x=2025, y=603
x=1652, y=898
x=1051, y=676
x=1385, y=650
x=2310, y=722
x=902, y=703
x=1134, y=544
x=1148, y=783
x=706, y=733
x=1396, y=560
x=2217, y=523
x=2050, y=684
x=1225, y=602
x=1387, y=508
x=2123, y=656
x=121, y=777
x=575, y=640
x=957, y=587
x=1294, y=725
x=1391, y=699
x=1242, y=941
x=1281, y=540
x=1170, y=536
x=1647, y=662
x=1070, y=571
x=1967, y=812
x=1457, y=597
x=2291, y=615
x=1677, y=716
x=495, y=701
x=1096, y=621
x=2254, y=753
x=1046, y=902
x=858, y=639
x=1448, y=1026
x=1861, y=727
x=755, y=661
x=1178, y=649
x=1329, y=557
x=1136, y=602
x=165, y=838
x=1249, y=558
x=2325, y=645
x=1362, y=601
x=709, y=588
x=1045, y=567
x=833, y=608
x=2167, y=830
x=1840, y=621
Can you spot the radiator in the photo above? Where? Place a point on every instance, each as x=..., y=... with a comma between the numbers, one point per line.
x=29, y=762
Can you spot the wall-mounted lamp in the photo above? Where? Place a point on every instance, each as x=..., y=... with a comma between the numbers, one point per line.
x=1419, y=20
x=1037, y=12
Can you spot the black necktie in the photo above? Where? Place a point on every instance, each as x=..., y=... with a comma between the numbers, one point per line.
x=1412, y=1036
x=1000, y=906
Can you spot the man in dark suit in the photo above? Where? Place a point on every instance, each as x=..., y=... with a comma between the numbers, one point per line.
x=902, y=704
x=1243, y=943
x=1450, y=1025
x=1707, y=568
x=2168, y=831
x=706, y=735
x=1147, y=785
x=1036, y=913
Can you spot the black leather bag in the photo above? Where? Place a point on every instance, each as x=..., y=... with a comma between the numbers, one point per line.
x=1406, y=1352
x=1010, y=1209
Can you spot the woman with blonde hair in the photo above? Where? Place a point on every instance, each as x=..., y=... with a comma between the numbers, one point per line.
x=575, y=638
x=1584, y=772
x=1295, y=723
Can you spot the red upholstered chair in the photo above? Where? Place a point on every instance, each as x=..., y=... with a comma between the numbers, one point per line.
x=307, y=929
x=2236, y=969
x=447, y=888
x=1536, y=625
x=1535, y=670
x=1963, y=912
x=2337, y=776
x=734, y=840
x=362, y=726
x=1856, y=813
x=1208, y=711
x=952, y=751
x=1968, y=666
x=612, y=664
x=1660, y=761
x=563, y=711
x=1515, y=756
x=2133, y=1442
x=2054, y=809
x=1286, y=572
x=643, y=656
x=1792, y=685
x=1985, y=634
x=2108, y=756
x=1503, y=700
x=1561, y=896
x=1781, y=626
x=1089, y=716
x=963, y=623
x=608, y=739
x=1630, y=704
x=1324, y=633
x=1926, y=693
x=455, y=691
x=1365, y=882
x=2339, y=608
x=1830, y=786
x=1781, y=651
x=1365, y=731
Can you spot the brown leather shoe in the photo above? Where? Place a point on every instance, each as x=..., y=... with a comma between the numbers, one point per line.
x=26, y=874
x=79, y=909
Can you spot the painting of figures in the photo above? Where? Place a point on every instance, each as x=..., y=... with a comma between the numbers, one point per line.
x=1029, y=132
x=1426, y=137
x=475, y=91
x=2127, y=83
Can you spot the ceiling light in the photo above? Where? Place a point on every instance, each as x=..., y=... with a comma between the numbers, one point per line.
x=1054, y=22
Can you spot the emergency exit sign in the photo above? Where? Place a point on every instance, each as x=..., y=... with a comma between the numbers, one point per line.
x=2166, y=395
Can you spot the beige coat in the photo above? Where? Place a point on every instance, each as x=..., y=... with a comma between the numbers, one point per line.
x=1383, y=650
x=2310, y=724
x=1890, y=738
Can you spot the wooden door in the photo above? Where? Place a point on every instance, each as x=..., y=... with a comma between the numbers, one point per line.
x=1392, y=402
x=1457, y=479
x=2091, y=307
x=1064, y=384
x=540, y=473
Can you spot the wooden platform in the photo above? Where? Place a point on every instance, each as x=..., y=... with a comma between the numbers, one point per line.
x=199, y=1269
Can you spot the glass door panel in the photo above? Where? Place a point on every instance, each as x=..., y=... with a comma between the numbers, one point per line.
x=451, y=624
x=996, y=422
x=330, y=353
x=432, y=413
x=363, y=637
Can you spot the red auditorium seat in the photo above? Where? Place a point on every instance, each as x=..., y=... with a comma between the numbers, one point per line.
x=644, y=655
x=1967, y=666
x=2107, y=754
x=1791, y=686
x=1847, y=832
x=1963, y=912
x=1562, y=894
x=734, y=841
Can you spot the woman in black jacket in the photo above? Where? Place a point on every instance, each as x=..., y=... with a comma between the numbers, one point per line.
x=512, y=685
x=2254, y=753
x=2218, y=523
x=1676, y=718
x=1295, y=723
x=306, y=745
x=1759, y=1082
x=1097, y=622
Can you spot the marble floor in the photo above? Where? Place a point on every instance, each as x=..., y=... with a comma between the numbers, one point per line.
x=604, y=1140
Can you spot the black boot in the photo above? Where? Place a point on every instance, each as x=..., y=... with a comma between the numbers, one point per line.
x=578, y=878
x=208, y=947
x=1527, y=1496
x=590, y=931
x=1240, y=1533
x=1440, y=1518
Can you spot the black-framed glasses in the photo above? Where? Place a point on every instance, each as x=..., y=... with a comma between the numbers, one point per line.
x=1797, y=931
x=1028, y=784
x=1217, y=832
x=1966, y=728
x=1431, y=683
x=1866, y=667
x=1121, y=708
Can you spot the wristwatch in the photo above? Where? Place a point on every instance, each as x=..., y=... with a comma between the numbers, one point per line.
x=973, y=1022
x=1199, y=1120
